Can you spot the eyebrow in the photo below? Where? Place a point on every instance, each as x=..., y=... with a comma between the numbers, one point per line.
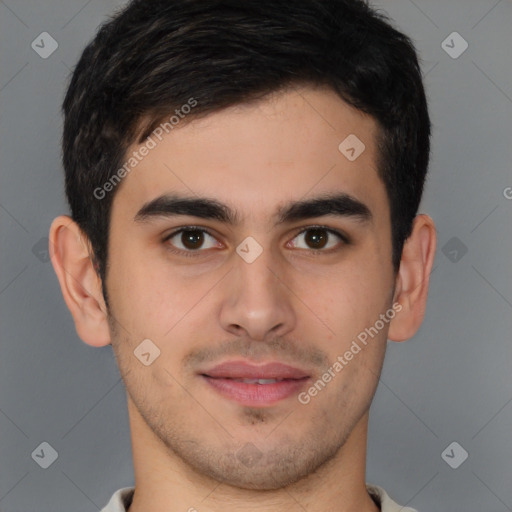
x=170, y=205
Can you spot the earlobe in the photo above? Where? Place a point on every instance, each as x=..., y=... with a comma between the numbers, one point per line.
x=413, y=277
x=80, y=285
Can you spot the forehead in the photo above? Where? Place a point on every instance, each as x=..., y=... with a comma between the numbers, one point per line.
x=254, y=157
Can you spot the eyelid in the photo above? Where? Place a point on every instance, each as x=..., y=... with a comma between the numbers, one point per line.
x=194, y=227
x=333, y=231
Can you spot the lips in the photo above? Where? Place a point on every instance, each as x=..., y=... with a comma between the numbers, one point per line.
x=255, y=385
x=243, y=370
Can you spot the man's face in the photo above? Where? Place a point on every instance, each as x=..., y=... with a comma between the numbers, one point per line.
x=301, y=302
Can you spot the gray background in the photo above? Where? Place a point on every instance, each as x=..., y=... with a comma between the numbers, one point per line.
x=452, y=382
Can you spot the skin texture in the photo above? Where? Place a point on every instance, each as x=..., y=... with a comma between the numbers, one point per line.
x=191, y=446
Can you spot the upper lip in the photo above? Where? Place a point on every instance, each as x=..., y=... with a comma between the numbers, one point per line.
x=246, y=370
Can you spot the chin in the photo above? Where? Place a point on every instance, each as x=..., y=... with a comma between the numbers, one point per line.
x=250, y=468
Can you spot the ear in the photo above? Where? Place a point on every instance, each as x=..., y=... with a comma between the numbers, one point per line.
x=412, y=280
x=70, y=252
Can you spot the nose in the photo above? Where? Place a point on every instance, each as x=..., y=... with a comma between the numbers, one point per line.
x=257, y=301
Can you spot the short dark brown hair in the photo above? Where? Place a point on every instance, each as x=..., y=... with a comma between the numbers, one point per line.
x=151, y=57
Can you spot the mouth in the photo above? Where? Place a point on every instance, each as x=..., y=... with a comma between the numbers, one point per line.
x=255, y=385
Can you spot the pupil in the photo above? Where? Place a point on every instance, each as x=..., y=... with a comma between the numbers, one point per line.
x=192, y=239
x=316, y=238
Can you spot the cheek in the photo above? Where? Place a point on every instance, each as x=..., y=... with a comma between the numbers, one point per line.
x=143, y=292
x=348, y=299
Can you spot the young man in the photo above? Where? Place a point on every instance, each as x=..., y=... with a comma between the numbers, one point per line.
x=244, y=180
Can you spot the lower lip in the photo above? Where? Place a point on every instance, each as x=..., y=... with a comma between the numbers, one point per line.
x=256, y=394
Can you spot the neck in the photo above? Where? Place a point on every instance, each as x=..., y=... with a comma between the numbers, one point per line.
x=165, y=483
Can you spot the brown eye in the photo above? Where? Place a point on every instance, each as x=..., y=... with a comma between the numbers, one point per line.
x=317, y=238
x=192, y=240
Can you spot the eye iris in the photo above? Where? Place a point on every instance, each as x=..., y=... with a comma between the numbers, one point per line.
x=316, y=238
x=192, y=239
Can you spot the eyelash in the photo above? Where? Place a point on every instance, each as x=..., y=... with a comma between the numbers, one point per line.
x=316, y=252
